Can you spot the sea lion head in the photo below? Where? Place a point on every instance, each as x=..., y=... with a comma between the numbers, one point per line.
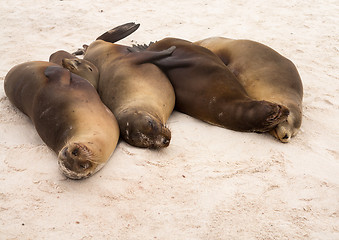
x=141, y=129
x=83, y=68
x=285, y=130
x=77, y=161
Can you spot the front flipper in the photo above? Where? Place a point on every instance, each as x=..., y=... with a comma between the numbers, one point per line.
x=173, y=62
x=119, y=32
x=140, y=57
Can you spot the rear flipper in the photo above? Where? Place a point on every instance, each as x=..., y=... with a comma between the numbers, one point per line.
x=141, y=47
x=81, y=51
x=139, y=57
x=119, y=32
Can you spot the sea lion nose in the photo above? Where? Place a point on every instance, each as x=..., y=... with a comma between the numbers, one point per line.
x=286, y=136
x=165, y=141
x=83, y=165
x=76, y=166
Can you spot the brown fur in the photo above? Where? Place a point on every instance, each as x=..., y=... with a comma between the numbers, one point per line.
x=67, y=114
x=265, y=75
x=138, y=92
x=81, y=67
x=207, y=90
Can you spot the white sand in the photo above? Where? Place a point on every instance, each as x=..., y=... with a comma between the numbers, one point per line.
x=211, y=183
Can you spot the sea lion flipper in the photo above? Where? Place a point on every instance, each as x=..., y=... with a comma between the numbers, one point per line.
x=56, y=73
x=134, y=49
x=139, y=57
x=80, y=51
x=119, y=32
x=172, y=62
x=140, y=47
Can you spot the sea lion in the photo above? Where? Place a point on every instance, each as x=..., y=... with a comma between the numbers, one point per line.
x=67, y=113
x=78, y=66
x=206, y=89
x=265, y=75
x=138, y=92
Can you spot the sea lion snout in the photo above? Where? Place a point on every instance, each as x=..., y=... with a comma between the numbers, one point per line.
x=74, y=161
x=282, y=133
x=146, y=131
x=163, y=140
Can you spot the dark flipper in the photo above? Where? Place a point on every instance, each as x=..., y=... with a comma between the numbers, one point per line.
x=140, y=47
x=139, y=57
x=81, y=51
x=173, y=62
x=119, y=32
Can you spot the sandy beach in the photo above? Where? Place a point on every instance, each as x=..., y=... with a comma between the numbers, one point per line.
x=210, y=183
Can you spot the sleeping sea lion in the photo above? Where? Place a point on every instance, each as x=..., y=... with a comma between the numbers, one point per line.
x=138, y=92
x=206, y=89
x=265, y=75
x=67, y=113
x=81, y=67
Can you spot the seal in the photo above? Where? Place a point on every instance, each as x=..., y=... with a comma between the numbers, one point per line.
x=265, y=75
x=67, y=113
x=207, y=90
x=78, y=66
x=137, y=92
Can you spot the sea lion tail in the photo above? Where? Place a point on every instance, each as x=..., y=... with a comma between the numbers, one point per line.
x=119, y=32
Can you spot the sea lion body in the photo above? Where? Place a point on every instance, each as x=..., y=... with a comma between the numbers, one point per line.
x=78, y=66
x=207, y=90
x=67, y=113
x=138, y=92
x=265, y=75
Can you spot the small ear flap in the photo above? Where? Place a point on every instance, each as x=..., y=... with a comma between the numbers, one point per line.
x=56, y=73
